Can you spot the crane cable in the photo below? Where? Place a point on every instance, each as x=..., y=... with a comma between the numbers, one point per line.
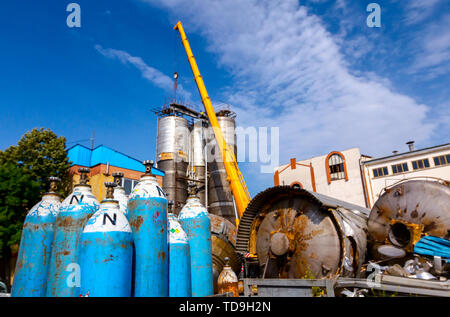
x=175, y=66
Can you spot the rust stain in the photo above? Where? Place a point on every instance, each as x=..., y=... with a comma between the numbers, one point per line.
x=162, y=255
x=19, y=263
x=132, y=204
x=109, y=259
x=431, y=226
x=136, y=223
x=45, y=252
x=231, y=287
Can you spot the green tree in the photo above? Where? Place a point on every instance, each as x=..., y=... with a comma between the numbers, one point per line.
x=42, y=153
x=18, y=193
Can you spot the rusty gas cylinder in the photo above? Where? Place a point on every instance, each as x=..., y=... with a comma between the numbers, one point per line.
x=228, y=281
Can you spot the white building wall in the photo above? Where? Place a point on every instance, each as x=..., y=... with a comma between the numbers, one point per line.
x=357, y=188
x=350, y=190
x=377, y=184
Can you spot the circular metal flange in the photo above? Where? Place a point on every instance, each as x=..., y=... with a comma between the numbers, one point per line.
x=292, y=233
x=279, y=243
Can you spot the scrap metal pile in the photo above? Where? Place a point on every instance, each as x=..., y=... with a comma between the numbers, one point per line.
x=134, y=247
x=289, y=233
x=409, y=230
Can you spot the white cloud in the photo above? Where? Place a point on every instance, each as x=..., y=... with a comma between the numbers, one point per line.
x=289, y=72
x=433, y=49
x=153, y=75
x=418, y=10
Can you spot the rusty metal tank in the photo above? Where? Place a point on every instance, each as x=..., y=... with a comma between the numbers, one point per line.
x=220, y=198
x=223, y=241
x=172, y=150
x=228, y=281
x=147, y=214
x=288, y=232
x=195, y=221
x=74, y=213
x=30, y=278
x=407, y=211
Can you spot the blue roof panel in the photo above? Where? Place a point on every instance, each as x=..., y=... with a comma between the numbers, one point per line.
x=81, y=155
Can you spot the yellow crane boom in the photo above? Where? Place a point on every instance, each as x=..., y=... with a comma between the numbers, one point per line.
x=234, y=176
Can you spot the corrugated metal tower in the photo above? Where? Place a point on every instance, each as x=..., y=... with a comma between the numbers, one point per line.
x=179, y=153
x=197, y=157
x=172, y=157
x=220, y=198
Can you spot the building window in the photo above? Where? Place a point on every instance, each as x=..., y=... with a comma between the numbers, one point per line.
x=441, y=160
x=420, y=164
x=336, y=167
x=381, y=171
x=399, y=168
x=128, y=185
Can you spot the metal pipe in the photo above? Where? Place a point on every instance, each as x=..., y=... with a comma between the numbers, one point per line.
x=206, y=166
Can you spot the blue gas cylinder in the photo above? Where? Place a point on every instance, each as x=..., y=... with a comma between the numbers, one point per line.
x=64, y=277
x=147, y=214
x=179, y=260
x=196, y=223
x=106, y=251
x=30, y=278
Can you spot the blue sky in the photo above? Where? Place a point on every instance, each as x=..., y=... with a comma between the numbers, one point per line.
x=312, y=68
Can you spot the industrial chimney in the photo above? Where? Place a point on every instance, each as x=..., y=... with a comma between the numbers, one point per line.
x=410, y=145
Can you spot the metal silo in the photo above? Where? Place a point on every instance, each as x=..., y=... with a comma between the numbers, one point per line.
x=75, y=210
x=106, y=251
x=30, y=279
x=197, y=225
x=220, y=198
x=197, y=157
x=172, y=150
x=179, y=260
x=147, y=214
